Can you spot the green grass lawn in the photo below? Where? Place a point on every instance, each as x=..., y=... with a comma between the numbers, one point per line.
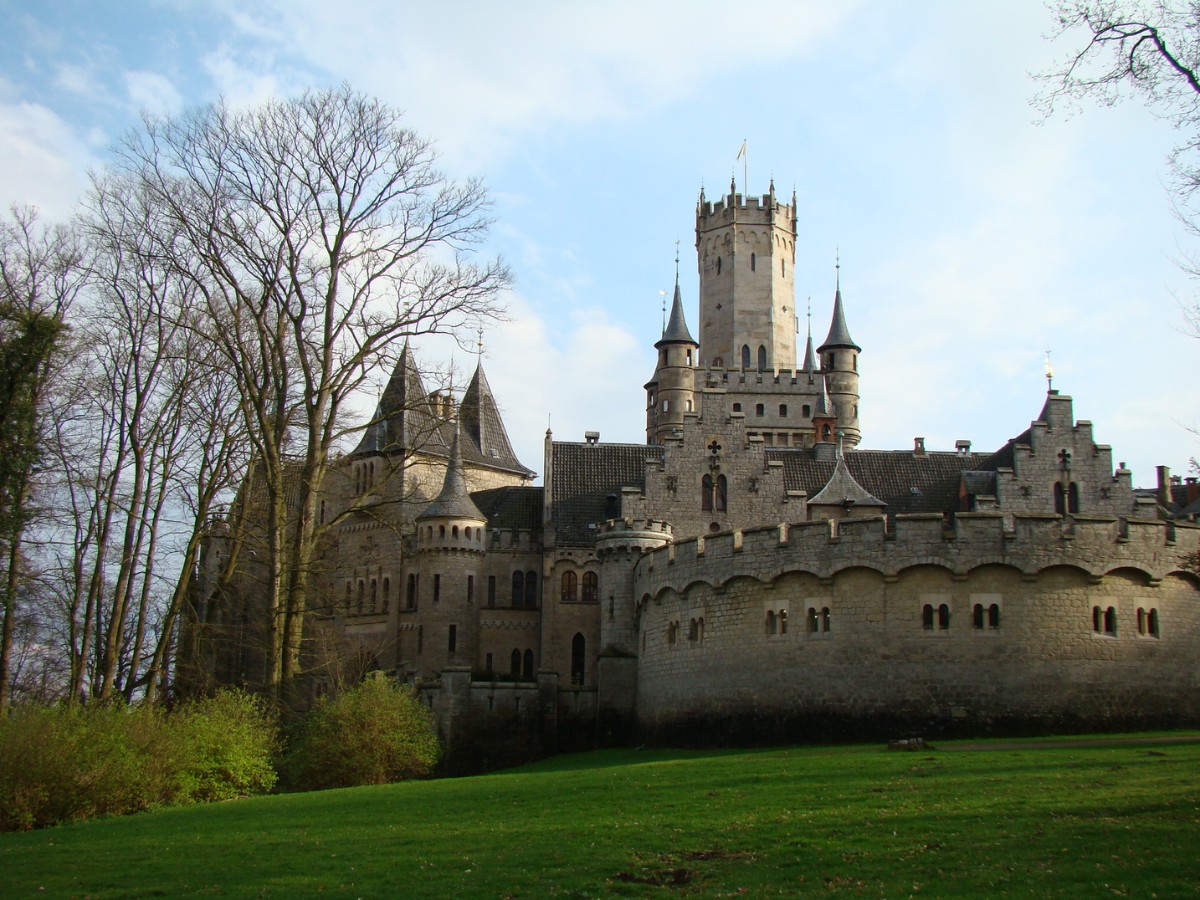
x=1077, y=821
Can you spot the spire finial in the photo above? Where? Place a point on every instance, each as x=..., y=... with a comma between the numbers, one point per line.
x=1049, y=373
x=837, y=266
x=479, y=344
x=677, y=261
x=663, y=294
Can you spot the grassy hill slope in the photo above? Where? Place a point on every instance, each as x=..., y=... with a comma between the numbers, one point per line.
x=1072, y=821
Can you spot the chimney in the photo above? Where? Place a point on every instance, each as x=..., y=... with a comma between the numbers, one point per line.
x=918, y=446
x=963, y=447
x=1193, y=490
x=1164, y=485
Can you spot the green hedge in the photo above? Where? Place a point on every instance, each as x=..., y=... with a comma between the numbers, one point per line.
x=63, y=764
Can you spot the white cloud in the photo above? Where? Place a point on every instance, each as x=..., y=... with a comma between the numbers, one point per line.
x=153, y=93
x=44, y=161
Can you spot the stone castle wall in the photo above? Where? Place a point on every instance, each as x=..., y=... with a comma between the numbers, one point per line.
x=869, y=657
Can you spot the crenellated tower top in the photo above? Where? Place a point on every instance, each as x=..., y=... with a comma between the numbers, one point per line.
x=746, y=253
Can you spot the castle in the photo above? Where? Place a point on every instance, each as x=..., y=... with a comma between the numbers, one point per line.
x=749, y=571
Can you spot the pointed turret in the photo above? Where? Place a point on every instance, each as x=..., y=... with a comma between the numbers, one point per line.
x=677, y=329
x=810, y=356
x=839, y=361
x=402, y=419
x=671, y=390
x=839, y=334
x=485, y=438
x=454, y=501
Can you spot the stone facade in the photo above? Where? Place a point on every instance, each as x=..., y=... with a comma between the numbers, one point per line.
x=750, y=572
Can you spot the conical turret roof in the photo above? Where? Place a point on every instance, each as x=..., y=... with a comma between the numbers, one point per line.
x=810, y=356
x=677, y=331
x=454, y=502
x=839, y=334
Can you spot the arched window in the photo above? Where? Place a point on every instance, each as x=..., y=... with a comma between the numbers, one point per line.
x=745, y=356
x=826, y=433
x=1097, y=620
x=410, y=593
x=825, y=619
x=1073, y=498
x=531, y=586
x=578, y=648
x=762, y=358
x=994, y=616
x=527, y=664
x=943, y=617
x=753, y=263
x=722, y=494
x=718, y=265
x=362, y=591
x=1059, y=506
x=812, y=621
x=441, y=531
x=783, y=267
x=1110, y=620
x=374, y=594
x=693, y=630
x=1141, y=621
x=1152, y=623
x=569, y=584
x=591, y=587
x=387, y=589
x=706, y=493
x=349, y=591
x=771, y=626
x=518, y=588
x=783, y=410
x=977, y=616
x=927, y=617
x=783, y=621
x=515, y=660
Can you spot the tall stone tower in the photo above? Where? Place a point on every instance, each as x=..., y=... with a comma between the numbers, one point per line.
x=746, y=250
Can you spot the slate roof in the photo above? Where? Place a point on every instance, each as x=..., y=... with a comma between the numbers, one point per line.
x=906, y=482
x=839, y=334
x=676, y=331
x=483, y=425
x=584, y=475
x=453, y=501
x=511, y=507
x=405, y=421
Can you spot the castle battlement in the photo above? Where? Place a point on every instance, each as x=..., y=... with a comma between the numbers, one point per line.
x=766, y=206
x=1097, y=545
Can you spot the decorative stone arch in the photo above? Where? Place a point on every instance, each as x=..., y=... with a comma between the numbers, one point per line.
x=1133, y=575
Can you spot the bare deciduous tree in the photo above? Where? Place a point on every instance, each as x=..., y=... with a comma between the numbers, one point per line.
x=316, y=232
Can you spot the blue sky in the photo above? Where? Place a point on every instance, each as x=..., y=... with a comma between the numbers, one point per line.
x=972, y=236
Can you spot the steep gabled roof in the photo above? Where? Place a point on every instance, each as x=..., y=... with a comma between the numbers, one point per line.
x=584, y=477
x=403, y=418
x=405, y=421
x=487, y=440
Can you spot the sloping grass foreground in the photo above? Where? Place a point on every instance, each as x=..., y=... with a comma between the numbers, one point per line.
x=1078, y=821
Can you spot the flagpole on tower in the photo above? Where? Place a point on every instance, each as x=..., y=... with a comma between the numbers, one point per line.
x=744, y=156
